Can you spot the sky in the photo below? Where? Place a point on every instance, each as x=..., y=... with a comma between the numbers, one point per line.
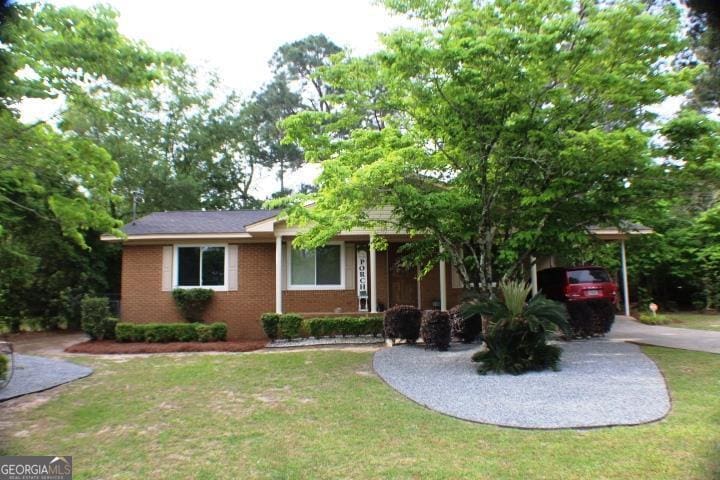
x=237, y=38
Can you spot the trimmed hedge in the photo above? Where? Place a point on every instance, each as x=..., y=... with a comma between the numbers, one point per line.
x=192, y=302
x=435, y=329
x=171, y=332
x=292, y=325
x=95, y=318
x=591, y=318
x=4, y=366
x=402, y=321
x=466, y=328
x=270, y=325
x=345, y=326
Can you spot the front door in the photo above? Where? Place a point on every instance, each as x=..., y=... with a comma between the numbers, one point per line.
x=403, y=281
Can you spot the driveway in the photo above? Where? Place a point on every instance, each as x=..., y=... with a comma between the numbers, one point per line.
x=628, y=330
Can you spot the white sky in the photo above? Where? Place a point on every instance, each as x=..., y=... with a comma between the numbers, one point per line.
x=237, y=39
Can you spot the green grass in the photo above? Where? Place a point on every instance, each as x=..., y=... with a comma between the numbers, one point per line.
x=699, y=321
x=324, y=414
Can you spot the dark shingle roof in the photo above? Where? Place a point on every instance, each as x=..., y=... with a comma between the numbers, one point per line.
x=188, y=222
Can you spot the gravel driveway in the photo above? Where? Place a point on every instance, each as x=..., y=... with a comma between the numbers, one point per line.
x=35, y=374
x=601, y=383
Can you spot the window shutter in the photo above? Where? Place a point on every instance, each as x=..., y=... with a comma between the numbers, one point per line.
x=455, y=280
x=350, y=266
x=232, y=281
x=167, y=268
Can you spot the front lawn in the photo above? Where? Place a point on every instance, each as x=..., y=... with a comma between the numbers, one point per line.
x=324, y=414
x=699, y=321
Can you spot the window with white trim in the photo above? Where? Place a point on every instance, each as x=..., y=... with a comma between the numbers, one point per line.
x=319, y=268
x=201, y=266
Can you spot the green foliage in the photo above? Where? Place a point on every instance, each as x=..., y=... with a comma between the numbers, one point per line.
x=657, y=319
x=345, y=326
x=517, y=342
x=96, y=319
x=289, y=325
x=4, y=365
x=171, y=332
x=497, y=129
x=270, y=324
x=466, y=328
x=192, y=302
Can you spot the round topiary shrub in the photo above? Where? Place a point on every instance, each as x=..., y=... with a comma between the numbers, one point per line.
x=435, y=329
x=192, y=302
x=466, y=328
x=403, y=322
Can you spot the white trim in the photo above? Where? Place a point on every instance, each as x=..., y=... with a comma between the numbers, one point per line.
x=443, y=285
x=373, y=277
x=217, y=288
x=278, y=275
x=626, y=294
x=341, y=286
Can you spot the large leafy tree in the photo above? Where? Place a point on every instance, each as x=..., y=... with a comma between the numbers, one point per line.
x=497, y=130
x=56, y=187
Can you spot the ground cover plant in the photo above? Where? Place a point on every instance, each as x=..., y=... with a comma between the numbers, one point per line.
x=286, y=415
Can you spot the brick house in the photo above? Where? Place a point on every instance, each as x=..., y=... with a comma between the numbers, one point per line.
x=246, y=256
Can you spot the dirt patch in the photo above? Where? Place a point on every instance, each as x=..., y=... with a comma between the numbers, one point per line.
x=103, y=347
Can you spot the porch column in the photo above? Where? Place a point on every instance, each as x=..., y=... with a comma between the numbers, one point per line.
x=626, y=296
x=278, y=274
x=533, y=274
x=373, y=278
x=443, y=286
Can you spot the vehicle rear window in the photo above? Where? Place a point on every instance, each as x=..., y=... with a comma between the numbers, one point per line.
x=590, y=275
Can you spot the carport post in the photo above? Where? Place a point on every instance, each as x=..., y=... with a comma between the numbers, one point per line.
x=278, y=274
x=533, y=274
x=373, y=277
x=626, y=297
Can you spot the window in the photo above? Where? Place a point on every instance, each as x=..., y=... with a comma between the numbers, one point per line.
x=591, y=275
x=320, y=268
x=200, y=266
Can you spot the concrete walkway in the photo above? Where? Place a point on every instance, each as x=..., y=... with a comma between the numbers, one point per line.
x=628, y=330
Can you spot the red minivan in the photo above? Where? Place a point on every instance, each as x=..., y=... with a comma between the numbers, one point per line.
x=575, y=284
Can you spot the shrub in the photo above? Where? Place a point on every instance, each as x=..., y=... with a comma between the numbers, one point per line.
x=315, y=327
x=218, y=332
x=466, y=328
x=171, y=332
x=435, y=329
x=95, y=318
x=657, y=319
x=192, y=302
x=4, y=366
x=159, y=333
x=289, y=325
x=332, y=326
x=270, y=325
x=591, y=318
x=402, y=321
x=517, y=335
x=374, y=326
x=129, y=332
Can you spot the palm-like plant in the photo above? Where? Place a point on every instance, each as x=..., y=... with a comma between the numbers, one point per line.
x=518, y=331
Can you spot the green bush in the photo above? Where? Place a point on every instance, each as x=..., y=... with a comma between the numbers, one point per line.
x=130, y=332
x=95, y=318
x=345, y=326
x=218, y=332
x=657, y=319
x=518, y=332
x=289, y=325
x=4, y=366
x=270, y=325
x=192, y=302
x=171, y=332
x=204, y=332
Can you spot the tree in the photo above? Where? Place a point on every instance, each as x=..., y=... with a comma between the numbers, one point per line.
x=300, y=61
x=56, y=187
x=506, y=128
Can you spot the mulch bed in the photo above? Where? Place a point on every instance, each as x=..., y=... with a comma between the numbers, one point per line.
x=111, y=347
